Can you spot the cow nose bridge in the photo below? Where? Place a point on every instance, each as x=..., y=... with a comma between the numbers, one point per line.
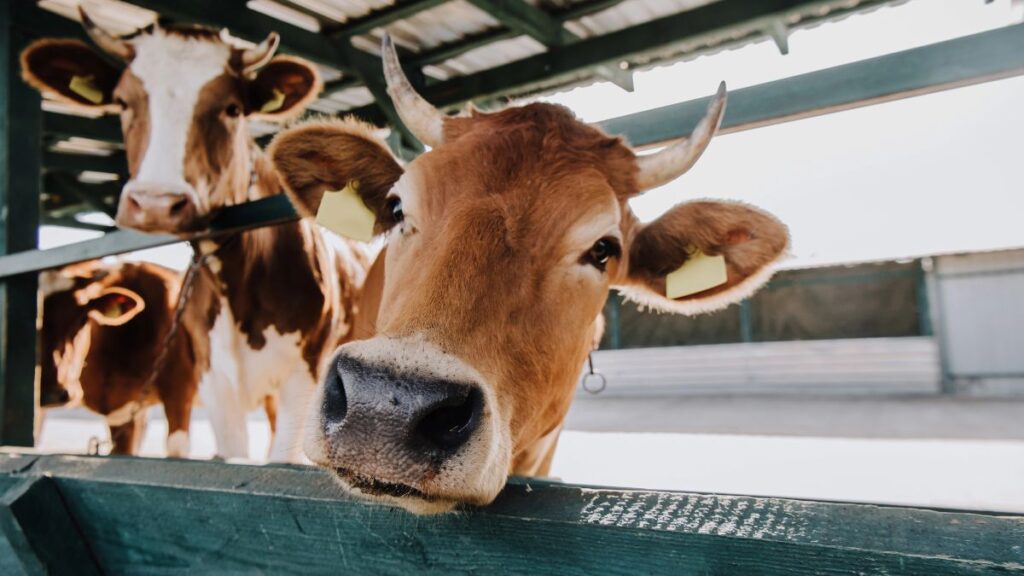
x=370, y=409
x=157, y=207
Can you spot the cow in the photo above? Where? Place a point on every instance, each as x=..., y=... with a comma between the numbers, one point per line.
x=273, y=302
x=104, y=330
x=502, y=242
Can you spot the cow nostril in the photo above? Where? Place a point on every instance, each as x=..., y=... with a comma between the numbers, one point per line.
x=335, y=400
x=179, y=206
x=133, y=204
x=450, y=426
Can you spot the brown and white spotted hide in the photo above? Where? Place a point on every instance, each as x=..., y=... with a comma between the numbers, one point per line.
x=103, y=327
x=503, y=241
x=273, y=302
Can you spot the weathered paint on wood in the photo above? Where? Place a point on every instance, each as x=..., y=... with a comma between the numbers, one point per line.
x=159, y=516
x=38, y=536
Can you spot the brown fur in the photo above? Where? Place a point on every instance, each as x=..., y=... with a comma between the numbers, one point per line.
x=480, y=267
x=120, y=359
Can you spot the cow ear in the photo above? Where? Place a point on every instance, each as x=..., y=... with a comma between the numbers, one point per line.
x=322, y=156
x=702, y=256
x=282, y=88
x=115, y=306
x=71, y=72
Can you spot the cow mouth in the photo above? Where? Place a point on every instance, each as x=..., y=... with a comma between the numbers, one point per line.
x=376, y=487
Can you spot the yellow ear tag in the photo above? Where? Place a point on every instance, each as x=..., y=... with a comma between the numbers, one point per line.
x=344, y=213
x=274, y=103
x=83, y=86
x=698, y=274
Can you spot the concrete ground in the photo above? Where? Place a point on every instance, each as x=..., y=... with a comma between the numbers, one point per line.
x=966, y=454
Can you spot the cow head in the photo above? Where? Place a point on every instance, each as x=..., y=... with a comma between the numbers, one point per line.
x=183, y=96
x=503, y=241
x=73, y=298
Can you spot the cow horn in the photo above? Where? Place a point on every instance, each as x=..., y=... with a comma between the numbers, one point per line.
x=672, y=162
x=419, y=116
x=108, y=42
x=256, y=57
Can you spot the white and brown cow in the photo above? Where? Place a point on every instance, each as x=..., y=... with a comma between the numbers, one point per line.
x=274, y=301
x=503, y=241
x=104, y=328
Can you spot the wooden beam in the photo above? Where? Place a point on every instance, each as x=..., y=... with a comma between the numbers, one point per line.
x=954, y=63
x=217, y=517
x=21, y=122
x=39, y=535
x=265, y=212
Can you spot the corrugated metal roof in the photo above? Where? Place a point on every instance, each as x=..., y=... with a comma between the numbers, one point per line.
x=444, y=24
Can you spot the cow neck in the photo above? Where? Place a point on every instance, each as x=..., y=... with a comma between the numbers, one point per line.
x=259, y=273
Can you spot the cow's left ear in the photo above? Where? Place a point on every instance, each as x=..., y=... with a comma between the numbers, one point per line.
x=701, y=256
x=72, y=72
x=115, y=306
x=282, y=88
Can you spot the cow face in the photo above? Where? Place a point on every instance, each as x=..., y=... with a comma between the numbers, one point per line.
x=74, y=298
x=183, y=97
x=503, y=241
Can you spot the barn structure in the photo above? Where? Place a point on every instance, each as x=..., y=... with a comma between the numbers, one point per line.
x=67, y=514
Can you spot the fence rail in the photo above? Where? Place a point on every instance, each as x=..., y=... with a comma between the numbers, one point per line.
x=128, y=515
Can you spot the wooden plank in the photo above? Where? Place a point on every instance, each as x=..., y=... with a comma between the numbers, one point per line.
x=38, y=530
x=216, y=517
x=20, y=183
x=264, y=212
x=954, y=63
x=104, y=128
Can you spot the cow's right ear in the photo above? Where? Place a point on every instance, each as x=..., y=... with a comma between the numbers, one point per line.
x=115, y=306
x=319, y=156
x=72, y=72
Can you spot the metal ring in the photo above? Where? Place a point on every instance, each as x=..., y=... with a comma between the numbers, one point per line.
x=591, y=388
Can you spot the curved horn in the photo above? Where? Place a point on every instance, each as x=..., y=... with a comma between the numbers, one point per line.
x=108, y=42
x=418, y=115
x=672, y=162
x=256, y=57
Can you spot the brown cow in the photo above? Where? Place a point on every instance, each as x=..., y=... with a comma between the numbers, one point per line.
x=104, y=325
x=503, y=242
x=274, y=302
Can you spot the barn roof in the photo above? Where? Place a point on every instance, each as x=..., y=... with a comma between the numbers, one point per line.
x=528, y=46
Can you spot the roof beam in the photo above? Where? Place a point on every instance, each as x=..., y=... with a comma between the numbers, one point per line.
x=527, y=19
x=250, y=25
x=382, y=17
x=576, y=59
x=954, y=63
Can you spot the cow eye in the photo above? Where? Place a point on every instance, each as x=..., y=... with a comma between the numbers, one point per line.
x=233, y=110
x=394, y=208
x=602, y=251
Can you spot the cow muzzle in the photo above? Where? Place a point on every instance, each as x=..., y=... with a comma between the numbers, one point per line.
x=158, y=208
x=421, y=433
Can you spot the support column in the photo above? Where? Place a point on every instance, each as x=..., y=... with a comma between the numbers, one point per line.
x=20, y=183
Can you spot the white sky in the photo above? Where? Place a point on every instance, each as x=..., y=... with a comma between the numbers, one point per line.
x=932, y=174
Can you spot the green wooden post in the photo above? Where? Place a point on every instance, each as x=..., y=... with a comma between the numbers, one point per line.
x=20, y=156
x=613, y=321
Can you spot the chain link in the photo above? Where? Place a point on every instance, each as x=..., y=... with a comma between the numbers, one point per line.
x=188, y=283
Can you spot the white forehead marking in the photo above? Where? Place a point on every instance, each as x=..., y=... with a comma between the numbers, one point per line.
x=173, y=69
